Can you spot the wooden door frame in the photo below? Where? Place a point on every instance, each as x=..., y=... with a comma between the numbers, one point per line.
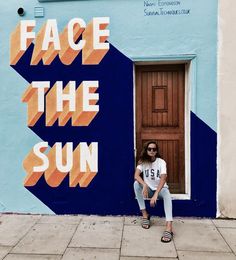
x=190, y=104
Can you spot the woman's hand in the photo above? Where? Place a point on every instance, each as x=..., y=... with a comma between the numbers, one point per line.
x=145, y=191
x=153, y=200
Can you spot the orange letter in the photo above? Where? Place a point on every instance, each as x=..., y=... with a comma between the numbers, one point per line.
x=85, y=164
x=52, y=175
x=21, y=39
x=47, y=36
x=95, y=36
x=86, y=99
x=35, y=157
x=70, y=49
x=34, y=96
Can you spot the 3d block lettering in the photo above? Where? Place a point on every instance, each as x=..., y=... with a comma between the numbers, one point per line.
x=49, y=42
x=81, y=164
x=59, y=103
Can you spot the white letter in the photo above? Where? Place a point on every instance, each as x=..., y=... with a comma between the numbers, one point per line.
x=51, y=35
x=42, y=156
x=70, y=97
x=69, y=157
x=89, y=157
x=24, y=34
x=97, y=33
x=89, y=96
x=41, y=85
x=81, y=43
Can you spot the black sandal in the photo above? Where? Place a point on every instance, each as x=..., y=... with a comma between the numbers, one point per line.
x=146, y=222
x=167, y=235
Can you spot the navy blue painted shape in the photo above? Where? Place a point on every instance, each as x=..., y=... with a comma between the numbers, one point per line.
x=203, y=174
x=112, y=128
x=111, y=191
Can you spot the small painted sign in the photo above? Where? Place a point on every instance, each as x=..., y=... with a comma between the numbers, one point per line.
x=164, y=7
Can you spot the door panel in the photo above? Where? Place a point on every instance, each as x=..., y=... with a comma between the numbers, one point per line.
x=160, y=116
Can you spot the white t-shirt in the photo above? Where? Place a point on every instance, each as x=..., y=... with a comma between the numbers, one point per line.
x=152, y=171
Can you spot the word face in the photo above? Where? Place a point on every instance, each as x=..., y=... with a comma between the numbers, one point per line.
x=81, y=164
x=49, y=43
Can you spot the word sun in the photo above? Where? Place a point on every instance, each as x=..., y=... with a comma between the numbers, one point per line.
x=58, y=103
x=81, y=164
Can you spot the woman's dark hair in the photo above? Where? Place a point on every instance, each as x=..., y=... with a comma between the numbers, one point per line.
x=144, y=157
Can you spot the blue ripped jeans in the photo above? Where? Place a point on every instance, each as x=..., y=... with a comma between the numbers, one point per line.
x=163, y=194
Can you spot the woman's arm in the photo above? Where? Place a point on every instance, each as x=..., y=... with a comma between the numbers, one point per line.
x=161, y=183
x=159, y=187
x=138, y=178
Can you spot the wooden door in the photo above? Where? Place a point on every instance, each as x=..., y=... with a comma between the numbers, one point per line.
x=160, y=116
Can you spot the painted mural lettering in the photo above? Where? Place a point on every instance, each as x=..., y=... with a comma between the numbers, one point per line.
x=147, y=3
x=49, y=43
x=81, y=164
x=167, y=3
x=162, y=7
x=61, y=103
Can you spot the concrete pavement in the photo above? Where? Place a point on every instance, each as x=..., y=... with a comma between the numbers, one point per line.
x=41, y=237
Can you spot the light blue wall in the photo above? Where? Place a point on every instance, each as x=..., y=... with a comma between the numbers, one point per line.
x=135, y=35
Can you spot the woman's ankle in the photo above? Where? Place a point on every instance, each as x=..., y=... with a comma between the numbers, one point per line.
x=169, y=226
x=144, y=213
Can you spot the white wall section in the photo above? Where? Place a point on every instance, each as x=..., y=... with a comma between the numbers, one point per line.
x=226, y=109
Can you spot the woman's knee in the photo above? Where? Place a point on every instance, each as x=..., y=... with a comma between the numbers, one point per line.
x=165, y=194
x=137, y=186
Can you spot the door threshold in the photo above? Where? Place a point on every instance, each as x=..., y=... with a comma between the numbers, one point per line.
x=180, y=196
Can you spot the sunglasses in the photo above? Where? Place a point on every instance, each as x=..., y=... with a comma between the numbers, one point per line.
x=152, y=149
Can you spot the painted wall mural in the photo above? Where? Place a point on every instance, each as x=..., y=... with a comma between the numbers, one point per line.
x=62, y=104
x=67, y=103
x=78, y=85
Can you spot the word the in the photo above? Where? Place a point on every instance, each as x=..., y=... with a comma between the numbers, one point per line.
x=79, y=104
